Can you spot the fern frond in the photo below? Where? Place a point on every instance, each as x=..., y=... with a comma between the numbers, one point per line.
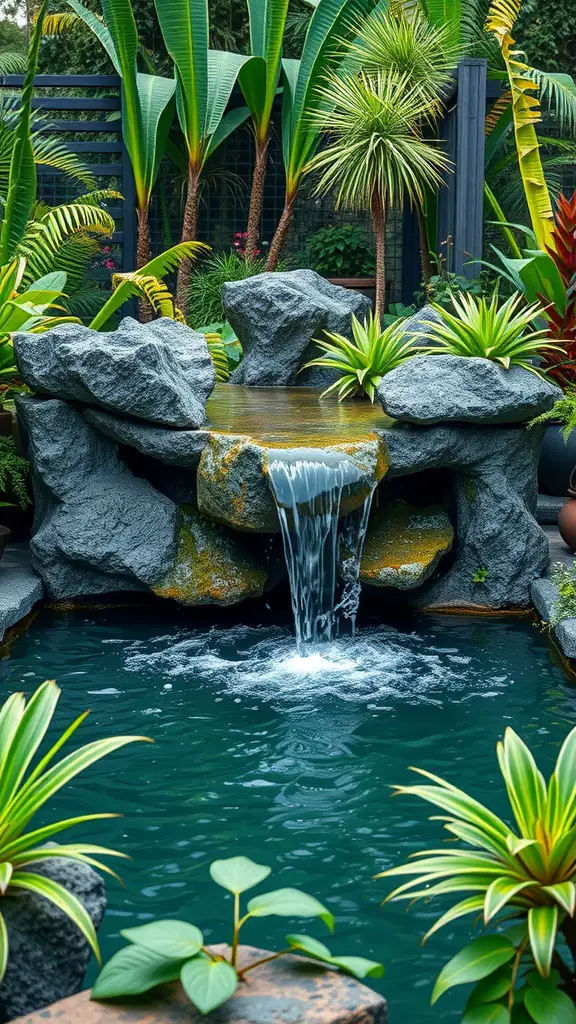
x=44, y=237
x=496, y=111
x=64, y=22
x=51, y=152
x=13, y=63
x=100, y=195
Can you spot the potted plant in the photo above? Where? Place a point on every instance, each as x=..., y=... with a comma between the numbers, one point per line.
x=558, y=460
x=344, y=254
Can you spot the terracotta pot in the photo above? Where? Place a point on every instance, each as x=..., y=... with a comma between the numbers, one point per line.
x=365, y=285
x=4, y=535
x=567, y=515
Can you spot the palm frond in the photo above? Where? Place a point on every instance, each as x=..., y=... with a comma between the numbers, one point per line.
x=52, y=152
x=13, y=63
x=558, y=93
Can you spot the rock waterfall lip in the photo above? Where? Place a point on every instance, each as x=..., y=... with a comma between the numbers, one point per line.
x=460, y=389
x=160, y=372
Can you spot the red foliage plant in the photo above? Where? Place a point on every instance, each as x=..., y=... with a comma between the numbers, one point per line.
x=563, y=322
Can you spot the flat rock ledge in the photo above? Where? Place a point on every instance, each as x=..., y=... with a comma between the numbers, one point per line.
x=292, y=990
x=404, y=545
x=20, y=587
x=544, y=595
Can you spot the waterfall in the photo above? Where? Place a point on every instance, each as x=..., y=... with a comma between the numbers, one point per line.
x=310, y=488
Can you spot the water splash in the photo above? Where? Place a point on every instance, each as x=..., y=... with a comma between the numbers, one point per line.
x=309, y=491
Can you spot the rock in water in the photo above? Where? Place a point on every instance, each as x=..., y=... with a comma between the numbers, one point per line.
x=461, y=389
x=48, y=953
x=97, y=527
x=277, y=316
x=161, y=372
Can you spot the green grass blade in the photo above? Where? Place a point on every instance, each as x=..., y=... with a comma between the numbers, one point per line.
x=63, y=899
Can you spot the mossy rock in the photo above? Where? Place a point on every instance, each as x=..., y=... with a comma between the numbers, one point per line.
x=404, y=544
x=213, y=565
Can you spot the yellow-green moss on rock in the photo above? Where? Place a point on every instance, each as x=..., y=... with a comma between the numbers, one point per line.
x=404, y=544
x=213, y=565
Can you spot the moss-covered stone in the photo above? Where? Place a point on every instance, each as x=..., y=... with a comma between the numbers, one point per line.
x=213, y=565
x=404, y=544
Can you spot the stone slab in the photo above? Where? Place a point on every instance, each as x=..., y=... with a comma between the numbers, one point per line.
x=20, y=586
x=404, y=545
x=292, y=990
x=548, y=507
x=173, y=447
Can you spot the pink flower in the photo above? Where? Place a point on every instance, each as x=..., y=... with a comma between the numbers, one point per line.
x=109, y=264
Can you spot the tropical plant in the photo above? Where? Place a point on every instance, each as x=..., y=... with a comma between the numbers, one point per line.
x=564, y=579
x=325, y=48
x=204, y=82
x=167, y=950
x=375, y=156
x=147, y=100
x=204, y=298
x=367, y=358
x=563, y=411
x=526, y=872
x=341, y=250
x=443, y=286
x=26, y=789
x=13, y=472
x=259, y=80
x=484, y=328
x=224, y=347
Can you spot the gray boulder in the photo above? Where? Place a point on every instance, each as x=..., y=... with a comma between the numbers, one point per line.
x=48, y=953
x=499, y=548
x=173, y=447
x=277, y=316
x=459, y=389
x=161, y=371
x=97, y=528
x=416, y=326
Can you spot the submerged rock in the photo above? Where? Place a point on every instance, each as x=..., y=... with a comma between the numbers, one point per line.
x=276, y=317
x=161, y=371
x=213, y=565
x=404, y=545
x=457, y=389
x=97, y=528
x=499, y=548
x=48, y=954
x=233, y=477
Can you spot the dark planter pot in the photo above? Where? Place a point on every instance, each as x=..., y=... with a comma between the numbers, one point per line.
x=5, y=424
x=557, y=460
x=4, y=534
x=365, y=285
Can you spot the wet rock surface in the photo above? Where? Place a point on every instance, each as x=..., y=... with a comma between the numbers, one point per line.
x=160, y=372
x=277, y=316
x=48, y=954
x=404, y=545
x=456, y=389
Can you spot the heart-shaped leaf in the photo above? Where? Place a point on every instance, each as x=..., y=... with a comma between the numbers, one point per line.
x=474, y=962
x=134, y=970
x=173, y=939
x=359, y=966
x=208, y=983
x=289, y=903
x=312, y=947
x=237, y=874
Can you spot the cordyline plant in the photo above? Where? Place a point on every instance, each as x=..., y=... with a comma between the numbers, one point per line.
x=482, y=327
x=526, y=872
x=364, y=360
x=562, y=315
x=164, y=951
x=25, y=790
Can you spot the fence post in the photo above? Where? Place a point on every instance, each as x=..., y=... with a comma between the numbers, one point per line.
x=469, y=172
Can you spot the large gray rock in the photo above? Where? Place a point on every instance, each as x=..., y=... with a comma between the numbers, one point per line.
x=48, y=954
x=160, y=371
x=97, y=528
x=277, y=316
x=459, y=389
x=499, y=548
x=173, y=447
x=418, y=325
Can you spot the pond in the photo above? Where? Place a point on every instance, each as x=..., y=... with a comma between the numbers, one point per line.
x=289, y=760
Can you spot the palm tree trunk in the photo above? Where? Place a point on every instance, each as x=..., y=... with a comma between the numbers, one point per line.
x=281, y=233
x=425, y=256
x=189, y=230
x=379, y=223
x=143, y=256
x=256, y=198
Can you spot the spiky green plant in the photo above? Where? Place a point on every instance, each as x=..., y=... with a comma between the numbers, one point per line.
x=364, y=360
x=483, y=328
x=525, y=871
x=26, y=789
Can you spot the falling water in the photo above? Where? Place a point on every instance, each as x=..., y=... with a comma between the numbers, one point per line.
x=309, y=491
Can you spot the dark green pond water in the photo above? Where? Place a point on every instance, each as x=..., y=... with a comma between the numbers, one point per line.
x=259, y=752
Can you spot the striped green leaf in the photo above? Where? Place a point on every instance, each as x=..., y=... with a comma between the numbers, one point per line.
x=502, y=891
x=61, y=898
x=524, y=782
x=473, y=963
x=565, y=895
x=6, y=870
x=542, y=928
x=471, y=905
x=3, y=947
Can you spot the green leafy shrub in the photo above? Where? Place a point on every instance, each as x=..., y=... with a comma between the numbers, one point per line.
x=204, y=301
x=521, y=879
x=167, y=950
x=444, y=287
x=563, y=410
x=26, y=790
x=564, y=607
x=13, y=472
x=482, y=327
x=341, y=251
x=364, y=360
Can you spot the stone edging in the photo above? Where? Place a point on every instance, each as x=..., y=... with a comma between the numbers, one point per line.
x=20, y=587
